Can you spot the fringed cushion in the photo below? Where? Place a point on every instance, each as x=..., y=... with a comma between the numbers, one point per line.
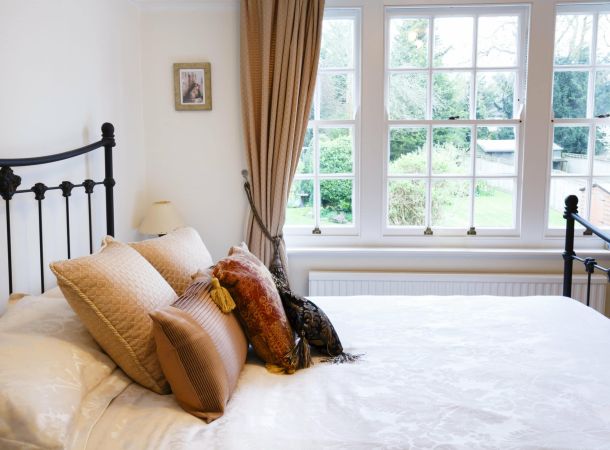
x=259, y=307
x=313, y=326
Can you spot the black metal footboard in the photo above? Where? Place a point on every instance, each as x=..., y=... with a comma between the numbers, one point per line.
x=569, y=256
x=10, y=182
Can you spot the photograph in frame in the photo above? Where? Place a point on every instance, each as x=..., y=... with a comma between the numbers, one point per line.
x=192, y=86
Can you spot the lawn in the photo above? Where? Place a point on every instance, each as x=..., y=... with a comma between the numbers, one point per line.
x=300, y=216
x=304, y=217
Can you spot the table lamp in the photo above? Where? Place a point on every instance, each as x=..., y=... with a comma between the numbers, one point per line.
x=160, y=219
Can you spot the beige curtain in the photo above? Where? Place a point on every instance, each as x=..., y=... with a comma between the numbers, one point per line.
x=280, y=47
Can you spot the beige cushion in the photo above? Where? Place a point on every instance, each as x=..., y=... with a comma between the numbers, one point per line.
x=202, y=351
x=113, y=292
x=177, y=256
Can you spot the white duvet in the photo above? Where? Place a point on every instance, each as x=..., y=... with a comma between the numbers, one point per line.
x=438, y=372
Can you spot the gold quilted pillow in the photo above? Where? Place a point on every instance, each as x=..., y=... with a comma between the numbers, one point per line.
x=113, y=292
x=177, y=256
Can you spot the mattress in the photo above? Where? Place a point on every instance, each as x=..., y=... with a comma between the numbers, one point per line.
x=444, y=372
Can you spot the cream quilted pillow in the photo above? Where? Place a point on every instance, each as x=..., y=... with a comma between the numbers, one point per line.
x=177, y=256
x=113, y=292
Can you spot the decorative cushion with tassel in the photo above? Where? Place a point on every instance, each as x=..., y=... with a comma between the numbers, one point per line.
x=258, y=308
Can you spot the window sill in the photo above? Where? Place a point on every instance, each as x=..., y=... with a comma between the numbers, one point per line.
x=444, y=252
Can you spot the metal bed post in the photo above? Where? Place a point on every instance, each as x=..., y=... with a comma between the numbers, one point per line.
x=66, y=191
x=39, y=190
x=109, y=142
x=571, y=203
x=9, y=182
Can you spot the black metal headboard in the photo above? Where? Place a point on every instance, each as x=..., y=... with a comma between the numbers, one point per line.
x=9, y=186
x=569, y=256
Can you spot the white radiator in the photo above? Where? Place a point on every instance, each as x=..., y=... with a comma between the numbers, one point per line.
x=388, y=283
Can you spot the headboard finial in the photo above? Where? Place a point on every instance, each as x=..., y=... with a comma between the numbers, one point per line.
x=571, y=205
x=108, y=131
x=9, y=182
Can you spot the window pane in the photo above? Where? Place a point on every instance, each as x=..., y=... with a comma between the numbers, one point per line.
x=494, y=203
x=336, y=153
x=451, y=203
x=299, y=209
x=497, y=41
x=603, y=39
x=570, y=94
x=450, y=95
x=408, y=151
x=495, y=95
x=407, y=203
x=306, y=159
x=453, y=41
x=408, y=43
x=602, y=92
x=336, y=96
x=451, y=150
x=600, y=203
x=560, y=189
x=408, y=92
x=337, y=47
x=573, y=38
x=601, y=164
x=570, y=152
x=336, y=202
x=496, y=149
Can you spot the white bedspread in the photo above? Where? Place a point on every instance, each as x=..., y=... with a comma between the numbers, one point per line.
x=439, y=372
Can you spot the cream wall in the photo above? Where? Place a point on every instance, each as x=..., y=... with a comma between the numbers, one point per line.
x=194, y=158
x=67, y=67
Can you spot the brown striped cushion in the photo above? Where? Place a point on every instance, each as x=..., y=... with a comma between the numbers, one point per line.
x=201, y=350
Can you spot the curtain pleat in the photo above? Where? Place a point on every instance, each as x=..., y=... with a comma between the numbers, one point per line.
x=280, y=48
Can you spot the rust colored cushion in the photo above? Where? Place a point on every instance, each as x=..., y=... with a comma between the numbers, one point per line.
x=112, y=292
x=202, y=351
x=259, y=307
x=177, y=256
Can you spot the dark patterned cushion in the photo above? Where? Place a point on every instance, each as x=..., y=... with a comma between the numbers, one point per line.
x=309, y=321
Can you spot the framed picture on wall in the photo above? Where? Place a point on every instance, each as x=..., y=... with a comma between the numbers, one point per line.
x=192, y=86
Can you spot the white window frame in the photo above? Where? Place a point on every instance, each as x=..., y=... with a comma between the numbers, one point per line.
x=522, y=11
x=354, y=125
x=589, y=121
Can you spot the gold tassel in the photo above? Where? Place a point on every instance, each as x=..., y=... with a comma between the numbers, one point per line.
x=221, y=297
x=273, y=368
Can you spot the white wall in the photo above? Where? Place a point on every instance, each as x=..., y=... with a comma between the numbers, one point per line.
x=194, y=158
x=66, y=67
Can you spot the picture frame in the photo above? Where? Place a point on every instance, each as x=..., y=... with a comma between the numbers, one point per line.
x=193, y=86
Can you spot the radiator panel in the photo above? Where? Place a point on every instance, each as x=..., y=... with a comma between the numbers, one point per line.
x=390, y=283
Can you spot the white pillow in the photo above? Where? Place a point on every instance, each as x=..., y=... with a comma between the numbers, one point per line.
x=55, y=380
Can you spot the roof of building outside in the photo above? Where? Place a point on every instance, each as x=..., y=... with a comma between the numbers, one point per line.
x=502, y=145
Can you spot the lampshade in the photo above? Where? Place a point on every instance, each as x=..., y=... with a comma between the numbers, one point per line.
x=161, y=218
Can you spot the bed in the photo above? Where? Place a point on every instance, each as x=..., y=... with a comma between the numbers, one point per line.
x=437, y=372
